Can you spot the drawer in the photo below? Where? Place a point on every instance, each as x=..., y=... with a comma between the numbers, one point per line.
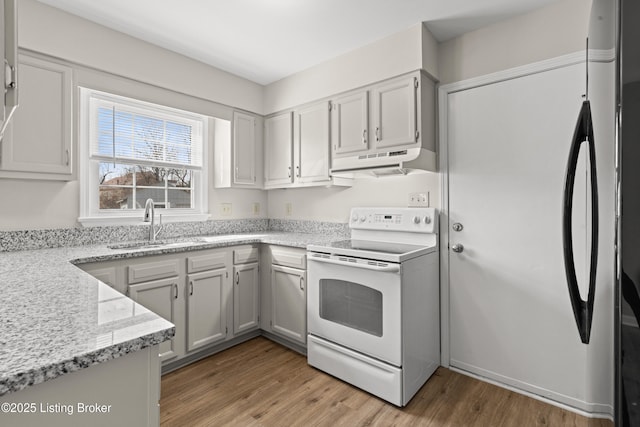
x=153, y=271
x=207, y=261
x=245, y=254
x=289, y=257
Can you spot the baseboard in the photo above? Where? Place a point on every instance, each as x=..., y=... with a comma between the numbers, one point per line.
x=589, y=410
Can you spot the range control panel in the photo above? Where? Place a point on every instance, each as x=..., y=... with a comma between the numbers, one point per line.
x=420, y=220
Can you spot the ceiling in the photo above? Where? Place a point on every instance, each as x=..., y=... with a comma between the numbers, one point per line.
x=266, y=40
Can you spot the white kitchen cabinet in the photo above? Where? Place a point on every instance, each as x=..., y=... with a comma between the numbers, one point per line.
x=382, y=120
x=298, y=148
x=278, y=150
x=163, y=298
x=45, y=150
x=395, y=112
x=246, y=297
x=289, y=293
x=289, y=299
x=238, y=152
x=9, y=69
x=350, y=123
x=246, y=289
x=207, y=295
x=244, y=149
x=312, y=144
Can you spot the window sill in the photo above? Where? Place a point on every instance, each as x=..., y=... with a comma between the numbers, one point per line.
x=103, y=221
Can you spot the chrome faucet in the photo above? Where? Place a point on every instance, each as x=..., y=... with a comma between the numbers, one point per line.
x=149, y=216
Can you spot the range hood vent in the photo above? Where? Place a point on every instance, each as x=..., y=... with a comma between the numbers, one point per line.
x=385, y=163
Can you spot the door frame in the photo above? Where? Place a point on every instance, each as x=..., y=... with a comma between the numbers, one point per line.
x=443, y=166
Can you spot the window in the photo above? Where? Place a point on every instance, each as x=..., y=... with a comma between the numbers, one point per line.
x=136, y=150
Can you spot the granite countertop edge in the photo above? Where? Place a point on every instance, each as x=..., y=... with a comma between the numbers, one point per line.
x=58, y=273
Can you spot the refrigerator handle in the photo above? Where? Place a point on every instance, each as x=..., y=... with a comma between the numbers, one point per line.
x=582, y=310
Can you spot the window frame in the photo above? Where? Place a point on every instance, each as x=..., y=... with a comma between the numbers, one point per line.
x=90, y=214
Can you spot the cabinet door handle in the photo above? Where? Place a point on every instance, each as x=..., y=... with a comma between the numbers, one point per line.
x=298, y=171
x=377, y=134
x=289, y=173
x=175, y=288
x=237, y=278
x=364, y=136
x=301, y=283
x=191, y=287
x=68, y=157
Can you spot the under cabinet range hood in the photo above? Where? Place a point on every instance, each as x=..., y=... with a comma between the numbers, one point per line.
x=384, y=163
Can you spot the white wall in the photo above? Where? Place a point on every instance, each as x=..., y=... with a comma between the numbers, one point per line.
x=552, y=31
x=49, y=30
x=385, y=58
x=334, y=204
x=108, y=60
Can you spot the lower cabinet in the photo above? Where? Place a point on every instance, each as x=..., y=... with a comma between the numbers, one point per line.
x=161, y=297
x=207, y=308
x=246, y=297
x=208, y=294
x=289, y=293
x=215, y=295
x=289, y=302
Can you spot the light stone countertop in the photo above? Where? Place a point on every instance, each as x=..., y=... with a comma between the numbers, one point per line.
x=56, y=319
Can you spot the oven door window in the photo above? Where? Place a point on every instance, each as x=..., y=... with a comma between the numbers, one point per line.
x=352, y=305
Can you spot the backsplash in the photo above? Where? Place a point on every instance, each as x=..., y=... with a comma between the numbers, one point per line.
x=53, y=238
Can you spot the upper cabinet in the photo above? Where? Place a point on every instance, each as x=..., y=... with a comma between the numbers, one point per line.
x=311, y=148
x=394, y=113
x=278, y=150
x=42, y=150
x=238, y=152
x=386, y=125
x=9, y=72
x=350, y=123
x=297, y=148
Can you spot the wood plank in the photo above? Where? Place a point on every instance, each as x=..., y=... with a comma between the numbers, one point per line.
x=261, y=383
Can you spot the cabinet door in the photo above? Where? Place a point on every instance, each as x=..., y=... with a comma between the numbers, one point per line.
x=161, y=297
x=312, y=146
x=278, y=150
x=37, y=142
x=246, y=297
x=289, y=303
x=350, y=123
x=207, y=294
x=395, y=110
x=244, y=149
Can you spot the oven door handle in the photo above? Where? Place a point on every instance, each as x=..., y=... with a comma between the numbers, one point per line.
x=388, y=268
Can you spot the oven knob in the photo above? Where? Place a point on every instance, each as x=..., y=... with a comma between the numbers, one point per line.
x=427, y=220
x=416, y=219
x=362, y=218
x=354, y=218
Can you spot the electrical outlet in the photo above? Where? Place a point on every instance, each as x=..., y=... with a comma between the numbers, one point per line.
x=225, y=209
x=288, y=209
x=419, y=199
x=256, y=208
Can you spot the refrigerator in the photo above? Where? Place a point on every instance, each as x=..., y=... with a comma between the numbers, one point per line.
x=627, y=333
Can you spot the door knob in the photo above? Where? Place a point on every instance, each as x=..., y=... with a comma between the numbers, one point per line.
x=457, y=226
x=458, y=247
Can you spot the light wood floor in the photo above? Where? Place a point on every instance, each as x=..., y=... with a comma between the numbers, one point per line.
x=261, y=383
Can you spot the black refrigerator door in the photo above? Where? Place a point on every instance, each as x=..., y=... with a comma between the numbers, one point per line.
x=582, y=310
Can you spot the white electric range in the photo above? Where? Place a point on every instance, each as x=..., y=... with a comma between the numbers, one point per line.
x=373, y=302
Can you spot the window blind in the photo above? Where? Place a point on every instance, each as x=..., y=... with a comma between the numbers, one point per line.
x=127, y=130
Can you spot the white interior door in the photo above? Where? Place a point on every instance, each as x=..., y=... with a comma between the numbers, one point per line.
x=510, y=315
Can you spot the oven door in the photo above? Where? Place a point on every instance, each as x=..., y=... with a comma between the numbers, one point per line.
x=356, y=303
